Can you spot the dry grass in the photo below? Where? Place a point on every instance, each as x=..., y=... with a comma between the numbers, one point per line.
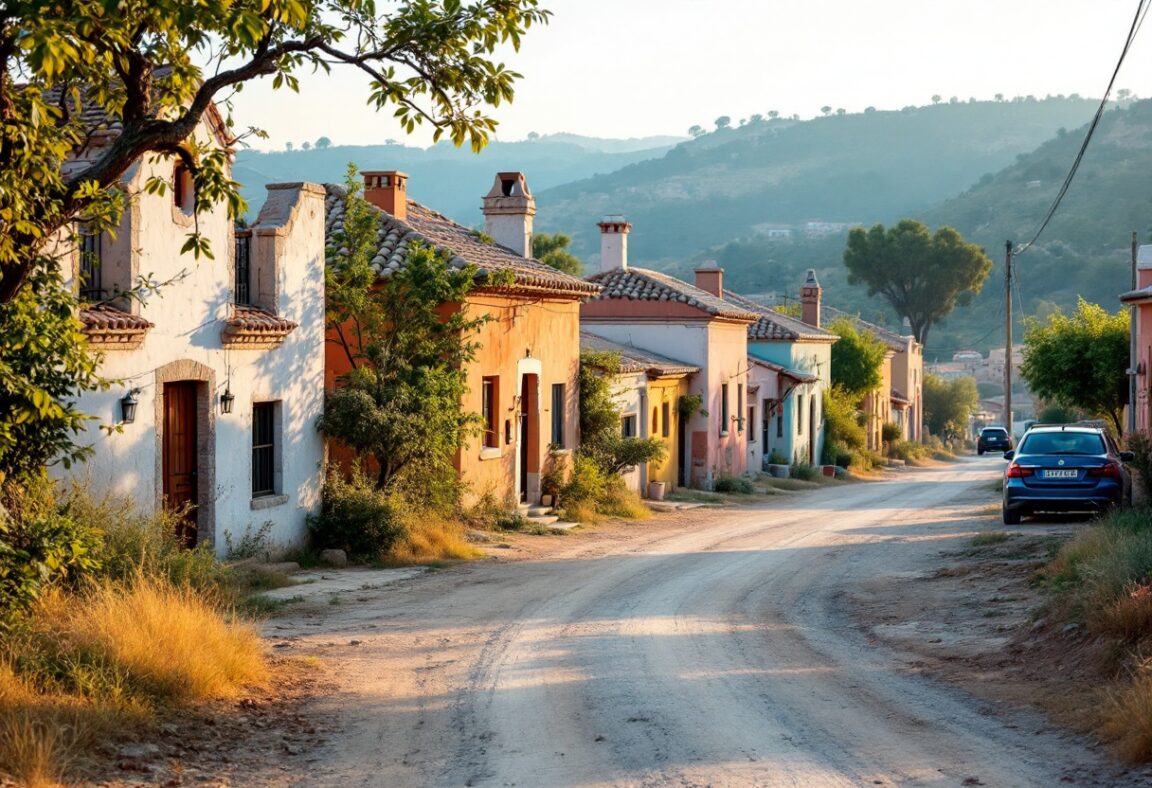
x=988, y=538
x=429, y=539
x=1126, y=718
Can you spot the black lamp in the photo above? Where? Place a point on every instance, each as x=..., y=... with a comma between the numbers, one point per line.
x=226, y=400
x=128, y=405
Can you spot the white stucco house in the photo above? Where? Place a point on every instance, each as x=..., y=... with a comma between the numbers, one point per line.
x=219, y=373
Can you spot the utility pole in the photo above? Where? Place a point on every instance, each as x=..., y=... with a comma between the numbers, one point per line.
x=1132, y=362
x=1008, y=337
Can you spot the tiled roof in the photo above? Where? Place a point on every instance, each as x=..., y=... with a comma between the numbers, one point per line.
x=105, y=317
x=776, y=326
x=801, y=377
x=250, y=319
x=641, y=284
x=633, y=359
x=888, y=337
x=897, y=396
x=1143, y=294
x=464, y=246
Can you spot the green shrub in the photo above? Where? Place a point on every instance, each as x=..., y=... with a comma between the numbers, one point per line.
x=776, y=458
x=841, y=423
x=732, y=484
x=910, y=451
x=1140, y=444
x=357, y=517
x=805, y=472
x=590, y=493
x=890, y=433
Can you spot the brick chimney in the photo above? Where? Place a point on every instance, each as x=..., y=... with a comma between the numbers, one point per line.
x=710, y=279
x=388, y=191
x=508, y=211
x=614, y=230
x=810, y=300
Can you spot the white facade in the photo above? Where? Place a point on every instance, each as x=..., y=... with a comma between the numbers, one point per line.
x=267, y=353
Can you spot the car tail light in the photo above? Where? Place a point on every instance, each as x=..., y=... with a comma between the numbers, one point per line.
x=1108, y=470
x=1018, y=471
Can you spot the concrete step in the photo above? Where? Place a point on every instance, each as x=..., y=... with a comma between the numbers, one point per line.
x=534, y=511
x=543, y=519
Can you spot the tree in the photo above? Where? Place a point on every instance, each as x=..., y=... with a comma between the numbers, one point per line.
x=1080, y=361
x=826, y=110
x=773, y=114
x=948, y=404
x=400, y=403
x=150, y=70
x=305, y=145
x=936, y=98
x=921, y=275
x=533, y=136
x=841, y=112
x=857, y=357
x=289, y=146
x=322, y=143
x=1123, y=94
x=695, y=131
x=601, y=439
x=553, y=250
x=723, y=122
x=999, y=96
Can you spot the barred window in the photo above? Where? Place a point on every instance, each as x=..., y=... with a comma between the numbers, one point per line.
x=263, y=449
x=91, y=276
x=243, y=269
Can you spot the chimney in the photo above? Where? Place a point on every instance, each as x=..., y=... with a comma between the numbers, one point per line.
x=388, y=191
x=508, y=211
x=614, y=230
x=810, y=300
x=710, y=278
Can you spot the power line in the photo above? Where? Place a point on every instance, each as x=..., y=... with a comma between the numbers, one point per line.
x=1137, y=21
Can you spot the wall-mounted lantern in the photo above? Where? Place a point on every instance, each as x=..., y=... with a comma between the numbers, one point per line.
x=227, y=399
x=128, y=405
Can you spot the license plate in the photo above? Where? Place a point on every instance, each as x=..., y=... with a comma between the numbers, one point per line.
x=1061, y=474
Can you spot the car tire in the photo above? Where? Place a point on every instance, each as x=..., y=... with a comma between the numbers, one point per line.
x=980, y=452
x=1011, y=516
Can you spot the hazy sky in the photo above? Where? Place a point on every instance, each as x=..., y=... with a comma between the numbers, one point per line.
x=629, y=68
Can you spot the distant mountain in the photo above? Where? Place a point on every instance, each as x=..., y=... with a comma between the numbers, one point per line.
x=449, y=179
x=866, y=167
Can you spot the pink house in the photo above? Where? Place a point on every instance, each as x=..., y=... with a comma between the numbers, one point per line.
x=694, y=323
x=1141, y=300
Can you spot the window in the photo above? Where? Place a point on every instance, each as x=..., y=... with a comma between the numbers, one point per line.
x=243, y=294
x=628, y=426
x=263, y=449
x=799, y=414
x=739, y=399
x=183, y=190
x=780, y=424
x=558, y=408
x=489, y=407
x=665, y=419
x=91, y=277
x=752, y=423
x=724, y=415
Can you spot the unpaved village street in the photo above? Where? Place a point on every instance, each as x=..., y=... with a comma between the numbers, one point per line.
x=714, y=649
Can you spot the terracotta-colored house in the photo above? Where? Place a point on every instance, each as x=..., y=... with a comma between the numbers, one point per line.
x=523, y=381
x=647, y=390
x=659, y=313
x=1141, y=327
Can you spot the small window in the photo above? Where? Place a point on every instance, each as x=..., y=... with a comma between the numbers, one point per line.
x=752, y=423
x=243, y=290
x=559, y=401
x=91, y=268
x=628, y=426
x=724, y=414
x=799, y=414
x=739, y=398
x=489, y=407
x=655, y=421
x=183, y=190
x=665, y=419
x=263, y=449
x=780, y=425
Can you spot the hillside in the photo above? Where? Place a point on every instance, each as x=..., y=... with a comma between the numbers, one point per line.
x=866, y=167
x=449, y=179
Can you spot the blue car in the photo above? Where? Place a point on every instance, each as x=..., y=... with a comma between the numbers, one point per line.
x=1065, y=468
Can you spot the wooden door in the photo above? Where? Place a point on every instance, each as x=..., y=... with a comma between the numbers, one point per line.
x=180, y=455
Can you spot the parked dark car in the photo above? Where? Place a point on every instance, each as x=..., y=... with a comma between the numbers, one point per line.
x=1065, y=469
x=993, y=439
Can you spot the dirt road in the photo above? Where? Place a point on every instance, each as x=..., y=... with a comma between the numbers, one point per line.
x=714, y=652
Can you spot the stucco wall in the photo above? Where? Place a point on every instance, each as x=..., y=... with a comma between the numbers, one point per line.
x=804, y=442
x=185, y=343
x=660, y=392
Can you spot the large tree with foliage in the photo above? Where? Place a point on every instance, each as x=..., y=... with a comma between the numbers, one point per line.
x=601, y=436
x=948, y=404
x=924, y=276
x=553, y=250
x=400, y=402
x=106, y=83
x=1080, y=360
x=857, y=357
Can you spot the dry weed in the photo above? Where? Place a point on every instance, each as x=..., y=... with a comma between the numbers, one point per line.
x=432, y=538
x=1127, y=717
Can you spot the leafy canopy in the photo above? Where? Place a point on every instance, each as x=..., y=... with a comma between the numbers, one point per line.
x=1080, y=360
x=923, y=276
x=948, y=404
x=552, y=250
x=601, y=437
x=857, y=358
x=399, y=405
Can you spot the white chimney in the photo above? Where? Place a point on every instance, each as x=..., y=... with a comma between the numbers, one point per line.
x=614, y=230
x=508, y=211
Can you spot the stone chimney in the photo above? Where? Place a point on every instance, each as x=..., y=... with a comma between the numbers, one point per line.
x=388, y=191
x=614, y=230
x=508, y=211
x=810, y=300
x=710, y=278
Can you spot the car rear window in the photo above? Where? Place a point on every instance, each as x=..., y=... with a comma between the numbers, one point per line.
x=994, y=433
x=1062, y=443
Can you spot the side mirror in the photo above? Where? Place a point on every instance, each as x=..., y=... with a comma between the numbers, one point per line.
x=1009, y=455
x=1127, y=456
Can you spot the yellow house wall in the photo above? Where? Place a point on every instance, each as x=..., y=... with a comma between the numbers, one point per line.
x=659, y=392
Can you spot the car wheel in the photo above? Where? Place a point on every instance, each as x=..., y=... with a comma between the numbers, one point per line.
x=1011, y=516
x=980, y=452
